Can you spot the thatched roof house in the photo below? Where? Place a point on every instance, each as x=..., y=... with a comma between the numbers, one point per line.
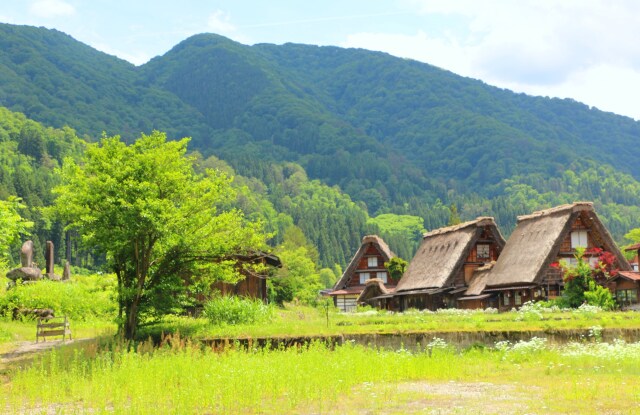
x=523, y=270
x=446, y=260
x=367, y=263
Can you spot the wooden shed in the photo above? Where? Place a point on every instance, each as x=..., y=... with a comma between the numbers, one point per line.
x=253, y=285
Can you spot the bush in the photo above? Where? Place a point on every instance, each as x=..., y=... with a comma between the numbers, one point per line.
x=237, y=310
x=84, y=298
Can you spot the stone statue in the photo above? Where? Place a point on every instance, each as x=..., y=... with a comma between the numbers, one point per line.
x=26, y=254
x=28, y=271
x=66, y=274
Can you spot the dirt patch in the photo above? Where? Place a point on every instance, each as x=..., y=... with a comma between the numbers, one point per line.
x=25, y=351
x=423, y=397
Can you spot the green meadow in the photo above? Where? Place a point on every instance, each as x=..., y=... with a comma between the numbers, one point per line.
x=181, y=377
x=176, y=373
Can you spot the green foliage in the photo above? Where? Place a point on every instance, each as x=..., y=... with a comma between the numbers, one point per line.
x=581, y=287
x=600, y=296
x=84, y=298
x=396, y=267
x=12, y=226
x=234, y=310
x=156, y=220
x=328, y=277
x=403, y=233
x=28, y=174
x=297, y=280
x=633, y=235
x=454, y=216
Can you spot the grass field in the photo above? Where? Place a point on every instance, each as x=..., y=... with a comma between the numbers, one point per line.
x=182, y=378
x=306, y=321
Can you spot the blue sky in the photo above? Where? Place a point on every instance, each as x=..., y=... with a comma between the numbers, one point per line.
x=588, y=50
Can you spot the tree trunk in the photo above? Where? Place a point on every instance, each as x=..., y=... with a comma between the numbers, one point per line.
x=131, y=319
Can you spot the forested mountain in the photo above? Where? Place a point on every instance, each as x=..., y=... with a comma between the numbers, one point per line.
x=397, y=136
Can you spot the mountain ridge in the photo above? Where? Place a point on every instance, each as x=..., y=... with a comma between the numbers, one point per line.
x=396, y=135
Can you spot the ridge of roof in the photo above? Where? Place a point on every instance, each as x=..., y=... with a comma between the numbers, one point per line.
x=477, y=222
x=378, y=240
x=571, y=207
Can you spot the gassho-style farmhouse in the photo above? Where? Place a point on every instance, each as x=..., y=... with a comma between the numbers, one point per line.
x=470, y=265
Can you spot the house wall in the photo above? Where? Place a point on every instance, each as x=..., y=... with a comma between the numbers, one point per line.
x=371, y=251
x=251, y=287
x=472, y=304
x=476, y=259
x=631, y=288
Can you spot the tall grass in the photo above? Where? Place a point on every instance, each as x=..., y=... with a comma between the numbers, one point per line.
x=234, y=310
x=182, y=378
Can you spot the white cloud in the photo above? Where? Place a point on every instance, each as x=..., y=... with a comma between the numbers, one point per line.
x=607, y=87
x=51, y=8
x=220, y=22
x=536, y=45
x=137, y=57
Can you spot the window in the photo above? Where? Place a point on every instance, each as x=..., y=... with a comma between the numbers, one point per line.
x=517, y=298
x=372, y=262
x=382, y=275
x=626, y=297
x=579, y=238
x=505, y=299
x=364, y=276
x=482, y=251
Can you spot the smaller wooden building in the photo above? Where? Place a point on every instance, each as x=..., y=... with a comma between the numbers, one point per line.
x=366, y=264
x=625, y=286
x=253, y=285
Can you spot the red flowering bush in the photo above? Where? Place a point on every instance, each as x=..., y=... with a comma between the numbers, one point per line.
x=584, y=282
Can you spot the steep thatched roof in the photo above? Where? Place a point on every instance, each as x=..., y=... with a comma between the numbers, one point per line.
x=374, y=287
x=535, y=243
x=442, y=254
x=378, y=242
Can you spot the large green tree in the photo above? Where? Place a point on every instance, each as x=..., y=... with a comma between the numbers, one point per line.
x=158, y=222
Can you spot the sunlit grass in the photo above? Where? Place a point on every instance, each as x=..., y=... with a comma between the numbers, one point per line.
x=25, y=331
x=181, y=377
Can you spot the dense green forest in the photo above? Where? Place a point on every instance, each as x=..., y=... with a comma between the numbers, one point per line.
x=325, y=144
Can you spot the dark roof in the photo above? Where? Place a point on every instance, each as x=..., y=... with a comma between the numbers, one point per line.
x=536, y=240
x=377, y=241
x=442, y=253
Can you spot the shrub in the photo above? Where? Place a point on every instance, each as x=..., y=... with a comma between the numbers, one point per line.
x=237, y=310
x=85, y=298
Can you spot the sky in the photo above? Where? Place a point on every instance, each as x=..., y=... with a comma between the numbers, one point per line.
x=587, y=50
